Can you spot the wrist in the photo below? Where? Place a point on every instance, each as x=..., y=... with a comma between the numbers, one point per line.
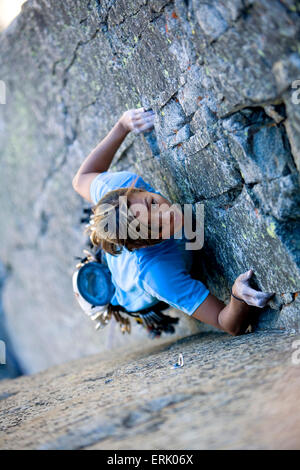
x=238, y=305
x=235, y=291
x=122, y=126
x=237, y=297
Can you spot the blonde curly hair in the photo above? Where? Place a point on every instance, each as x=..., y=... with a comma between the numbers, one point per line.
x=111, y=218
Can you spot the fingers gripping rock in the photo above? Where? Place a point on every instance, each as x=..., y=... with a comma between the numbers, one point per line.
x=137, y=120
x=246, y=276
x=242, y=289
x=143, y=121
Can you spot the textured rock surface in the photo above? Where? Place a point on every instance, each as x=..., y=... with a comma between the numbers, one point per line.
x=232, y=393
x=219, y=76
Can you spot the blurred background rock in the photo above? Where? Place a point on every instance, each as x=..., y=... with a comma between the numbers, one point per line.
x=9, y=9
x=219, y=76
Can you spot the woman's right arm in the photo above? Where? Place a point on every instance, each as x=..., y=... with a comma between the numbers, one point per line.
x=136, y=120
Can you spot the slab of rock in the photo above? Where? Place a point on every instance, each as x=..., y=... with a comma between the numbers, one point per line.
x=232, y=393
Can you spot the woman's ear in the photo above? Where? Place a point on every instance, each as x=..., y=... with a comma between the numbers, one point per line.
x=133, y=246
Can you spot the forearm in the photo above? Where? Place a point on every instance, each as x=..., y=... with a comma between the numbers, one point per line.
x=99, y=160
x=234, y=318
x=101, y=156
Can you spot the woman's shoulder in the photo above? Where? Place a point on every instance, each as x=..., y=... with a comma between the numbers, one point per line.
x=111, y=180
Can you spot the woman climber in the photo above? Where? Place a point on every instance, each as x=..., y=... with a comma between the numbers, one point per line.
x=148, y=264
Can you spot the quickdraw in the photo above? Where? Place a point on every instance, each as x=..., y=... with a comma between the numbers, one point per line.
x=151, y=318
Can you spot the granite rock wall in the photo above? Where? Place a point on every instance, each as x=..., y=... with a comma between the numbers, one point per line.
x=221, y=77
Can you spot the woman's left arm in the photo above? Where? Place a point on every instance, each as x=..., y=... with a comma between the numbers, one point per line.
x=136, y=120
x=235, y=317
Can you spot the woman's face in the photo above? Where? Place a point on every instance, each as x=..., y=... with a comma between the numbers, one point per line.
x=157, y=212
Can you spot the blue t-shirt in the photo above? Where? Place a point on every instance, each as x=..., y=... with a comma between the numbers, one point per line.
x=147, y=275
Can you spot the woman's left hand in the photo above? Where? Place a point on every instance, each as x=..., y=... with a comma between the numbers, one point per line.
x=137, y=120
x=241, y=288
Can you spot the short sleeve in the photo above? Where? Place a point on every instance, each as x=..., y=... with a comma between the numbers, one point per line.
x=111, y=180
x=168, y=281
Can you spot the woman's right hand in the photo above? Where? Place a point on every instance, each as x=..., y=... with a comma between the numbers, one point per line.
x=241, y=288
x=137, y=120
